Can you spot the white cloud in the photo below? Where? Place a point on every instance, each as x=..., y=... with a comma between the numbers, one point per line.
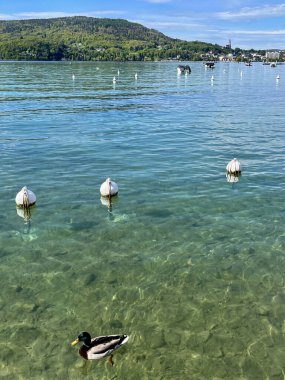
x=6, y=17
x=260, y=32
x=38, y=15
x=257, y=12
x=168, y=24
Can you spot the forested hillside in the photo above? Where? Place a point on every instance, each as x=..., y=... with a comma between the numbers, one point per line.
x=87, y=38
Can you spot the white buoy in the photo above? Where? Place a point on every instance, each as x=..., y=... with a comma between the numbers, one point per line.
x=278, y=77
x=234, y=167
x=241, y=73
x=73, y=76
x=136, y=76
x=25, y=198
x=212, y=78
x=114, y=80
x=118, y=72
x=109, y=188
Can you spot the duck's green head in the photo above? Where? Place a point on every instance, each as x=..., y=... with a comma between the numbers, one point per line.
x=84, y=337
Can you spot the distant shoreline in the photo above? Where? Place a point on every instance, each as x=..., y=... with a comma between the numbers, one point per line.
x=90, y=39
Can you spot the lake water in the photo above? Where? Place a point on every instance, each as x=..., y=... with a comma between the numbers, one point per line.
x=191, y=266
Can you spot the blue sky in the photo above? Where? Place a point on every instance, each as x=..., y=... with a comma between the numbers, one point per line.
x=256, y=24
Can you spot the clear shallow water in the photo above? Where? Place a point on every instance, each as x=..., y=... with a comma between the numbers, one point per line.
x=187, y=264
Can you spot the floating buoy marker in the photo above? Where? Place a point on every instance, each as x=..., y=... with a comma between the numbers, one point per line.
x=109, y=188
x=234, y=167
x=25, y=198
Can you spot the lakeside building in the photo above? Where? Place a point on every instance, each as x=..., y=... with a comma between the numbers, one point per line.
x=272, y=55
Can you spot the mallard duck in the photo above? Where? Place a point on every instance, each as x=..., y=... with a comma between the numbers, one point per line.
x=99, y=347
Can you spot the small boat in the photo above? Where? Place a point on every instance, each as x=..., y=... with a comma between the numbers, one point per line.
x=273, y=64
x=209, y=65
x=248, y=63
x=181, y=69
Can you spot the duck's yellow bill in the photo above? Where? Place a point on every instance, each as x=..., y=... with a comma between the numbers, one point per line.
x=74, y=342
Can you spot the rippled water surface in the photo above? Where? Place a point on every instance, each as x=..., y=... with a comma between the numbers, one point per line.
x=191, y=266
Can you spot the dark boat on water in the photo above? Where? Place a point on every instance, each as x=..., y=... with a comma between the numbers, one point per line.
x=210, y=65
x=183, y=69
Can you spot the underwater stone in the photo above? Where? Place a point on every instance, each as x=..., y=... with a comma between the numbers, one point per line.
x=3, y=253
x=218, y=353
x=275, y=374
x=157, y=340
x=173, y=339
x=89, y=279
x=66, y=267
x=79, y=364
x=203, y=336
x=34, y=307
x=251, y=251
x=140, y=358
x=251, y=370
x=263, y=311
x=7, y=355
x=197, y=341
x=116, y=324
x=25, y=335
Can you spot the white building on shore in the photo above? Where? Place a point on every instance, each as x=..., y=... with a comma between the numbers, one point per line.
x=272, y=55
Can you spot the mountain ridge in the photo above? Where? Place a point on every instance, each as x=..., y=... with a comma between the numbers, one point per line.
x=88, y=38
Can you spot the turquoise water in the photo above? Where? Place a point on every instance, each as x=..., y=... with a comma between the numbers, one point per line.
x=188, y=264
